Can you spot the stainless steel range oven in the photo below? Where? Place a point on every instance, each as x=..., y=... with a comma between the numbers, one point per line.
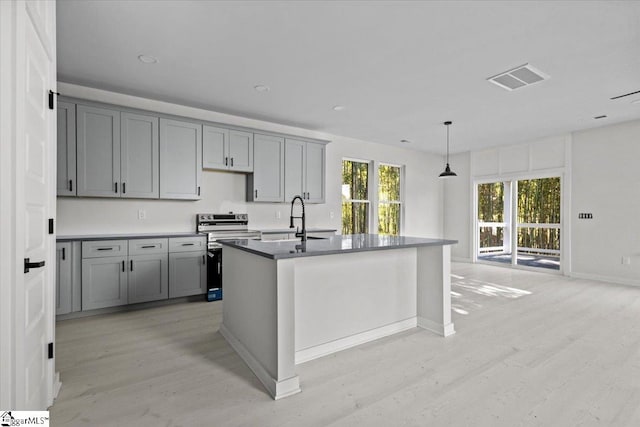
x=218, y=227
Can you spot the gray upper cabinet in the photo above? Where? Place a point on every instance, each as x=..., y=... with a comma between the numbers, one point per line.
x=266, y=184
x=139, y=163
x=315, y=161
x=225, y=149
x=98, y=139
x=294, y=156
x=304, y=170
x=66, y=149
x=180, y=159
x=240, y=151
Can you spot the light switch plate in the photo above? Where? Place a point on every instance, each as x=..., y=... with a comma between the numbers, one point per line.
x=142, y=214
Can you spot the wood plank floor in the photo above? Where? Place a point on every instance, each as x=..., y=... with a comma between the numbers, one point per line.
x=531, y=349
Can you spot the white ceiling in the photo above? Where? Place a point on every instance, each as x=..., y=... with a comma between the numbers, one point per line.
x=399, y=68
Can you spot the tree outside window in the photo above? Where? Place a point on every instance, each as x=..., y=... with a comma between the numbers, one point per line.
x=355, y=197
x=389, y=199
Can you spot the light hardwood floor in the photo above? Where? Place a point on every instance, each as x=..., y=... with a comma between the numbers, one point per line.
x=531, y=349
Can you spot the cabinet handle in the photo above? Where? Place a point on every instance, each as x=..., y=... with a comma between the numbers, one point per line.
x=148, y=246
x=256, y=196
x=226, y=161
x=70, y=185
x=232, y=162
x=124, y=188
x=104, y=249
x=123, y=265
x=187, y=244
x=131, y=264
x=203, y=260
x=219, y=266
x=116, y=187
x=198, y=190
x=63, y=254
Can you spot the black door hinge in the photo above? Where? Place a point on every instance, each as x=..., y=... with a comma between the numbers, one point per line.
x=50, y=225
x=51, y=99
x=50, y=350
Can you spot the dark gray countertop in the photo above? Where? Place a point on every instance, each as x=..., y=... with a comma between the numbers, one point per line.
x=81, y=237
x=332, y=245
x=293, y=230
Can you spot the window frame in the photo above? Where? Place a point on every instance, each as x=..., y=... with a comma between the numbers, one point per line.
x=400, y=201
x=368, y=202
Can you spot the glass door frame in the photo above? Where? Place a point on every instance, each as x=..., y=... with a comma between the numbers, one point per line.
x=511, y=224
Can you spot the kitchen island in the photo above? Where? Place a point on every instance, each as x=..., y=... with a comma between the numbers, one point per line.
x=287, y=302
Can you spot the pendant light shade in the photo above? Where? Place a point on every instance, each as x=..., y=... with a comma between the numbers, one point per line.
x=447, y=170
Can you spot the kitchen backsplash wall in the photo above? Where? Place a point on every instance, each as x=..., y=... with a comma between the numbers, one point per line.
x=225, y=192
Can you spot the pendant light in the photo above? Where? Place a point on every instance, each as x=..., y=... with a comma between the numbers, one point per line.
x=447, y=170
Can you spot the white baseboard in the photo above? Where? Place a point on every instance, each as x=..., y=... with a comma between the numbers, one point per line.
x=430, y=325
x=277, y=389
x=610, y=279
x=320, y=350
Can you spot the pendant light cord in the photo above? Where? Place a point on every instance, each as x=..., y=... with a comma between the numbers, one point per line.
x=447, y=144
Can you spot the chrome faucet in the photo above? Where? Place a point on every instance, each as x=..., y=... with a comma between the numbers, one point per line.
x=302, y=234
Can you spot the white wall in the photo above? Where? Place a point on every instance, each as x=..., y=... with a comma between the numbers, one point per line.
x=223, y=191
x=457, y=197
x=606, y=182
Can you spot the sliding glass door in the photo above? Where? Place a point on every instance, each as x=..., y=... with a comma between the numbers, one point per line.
x=518, y=222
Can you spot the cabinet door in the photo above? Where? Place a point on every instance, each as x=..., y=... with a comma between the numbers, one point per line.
x=215, y=148
x=63, y=278
x=267, y=182
x=139, y=156
x=294, y=154
x=98, y=137
x=187, y=274
x=241, y=151
x=104, y=282
x=66, y=182
x=180, y=159
x=314, y=172
x=148, y=278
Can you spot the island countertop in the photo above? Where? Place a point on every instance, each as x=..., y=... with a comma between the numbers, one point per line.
x=332, y=245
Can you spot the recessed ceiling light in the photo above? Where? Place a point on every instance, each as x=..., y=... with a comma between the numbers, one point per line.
x=604, y=116
x=339, y=107
x=406, y=141
x=148, y=59
x=262, y=88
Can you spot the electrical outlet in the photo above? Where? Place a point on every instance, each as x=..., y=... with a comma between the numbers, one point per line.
x=626, y=260
x=331, y=215
x=142, y=214
x=278, y=214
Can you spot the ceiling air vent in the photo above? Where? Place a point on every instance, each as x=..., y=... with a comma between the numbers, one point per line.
x=519, y=77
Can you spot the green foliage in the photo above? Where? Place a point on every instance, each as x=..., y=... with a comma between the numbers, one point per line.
x=389, y=190
x=491, y=202
x=355, y=186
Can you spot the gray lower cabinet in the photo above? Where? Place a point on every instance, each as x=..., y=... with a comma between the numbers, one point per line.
x=187, y=266
x=148, y=278
x=104, y=282
x=118, y=272
x=63, y=278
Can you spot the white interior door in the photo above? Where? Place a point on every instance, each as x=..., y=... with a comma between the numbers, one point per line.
x=35, y=141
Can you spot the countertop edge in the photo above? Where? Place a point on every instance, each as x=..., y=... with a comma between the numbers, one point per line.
x=132, y=236
x=434, y=242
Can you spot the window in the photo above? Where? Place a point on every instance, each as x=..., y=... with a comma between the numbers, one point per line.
x=355, y=197
x=389, y=201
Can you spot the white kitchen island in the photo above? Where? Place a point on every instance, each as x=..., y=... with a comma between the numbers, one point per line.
x=286, y=302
